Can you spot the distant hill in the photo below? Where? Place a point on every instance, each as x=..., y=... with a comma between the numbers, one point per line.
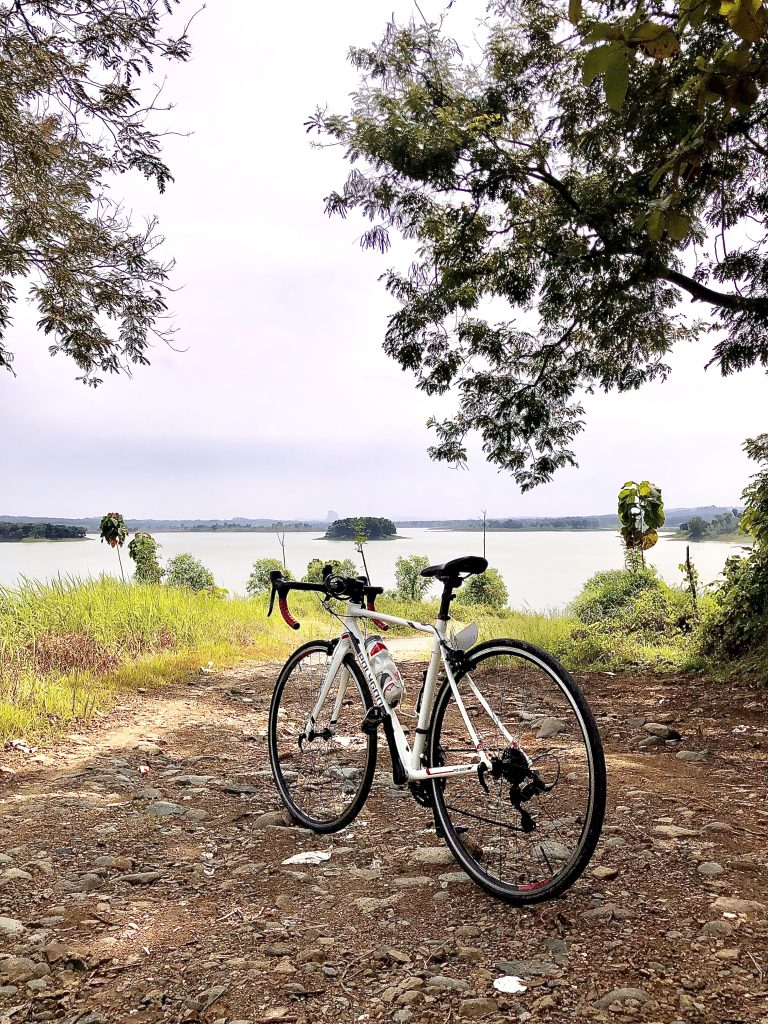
x=675, y=516
x=91, y=524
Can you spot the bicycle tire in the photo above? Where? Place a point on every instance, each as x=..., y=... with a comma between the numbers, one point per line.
x=331, y=774
x=457, y=828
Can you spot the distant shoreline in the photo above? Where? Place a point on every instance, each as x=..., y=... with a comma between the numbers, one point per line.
x=42, y=540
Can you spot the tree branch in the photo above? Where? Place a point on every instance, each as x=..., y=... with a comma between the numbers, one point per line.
x=704, y=294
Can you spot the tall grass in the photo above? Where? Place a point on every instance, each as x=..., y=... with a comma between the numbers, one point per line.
x=69, y=646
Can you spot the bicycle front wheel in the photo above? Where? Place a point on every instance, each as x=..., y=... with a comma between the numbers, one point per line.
x=324, y=767
x=527, y=829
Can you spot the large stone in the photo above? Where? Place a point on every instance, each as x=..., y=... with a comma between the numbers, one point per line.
x=439, y=856
x=604, y=873
x=164, y=809
x=11, y=928
x=14, y=875
x=734, y=905
x=621, y=995
x=143, y=877
x=17, y=968
x=528, y=968
x=661, y=730
x=476, y=1008
x=710, y=868
x=674, y=832
x=280, y=818
x=444, y=983
x=551, y=727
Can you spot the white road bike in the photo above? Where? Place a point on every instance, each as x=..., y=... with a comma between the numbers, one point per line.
x=504, y=749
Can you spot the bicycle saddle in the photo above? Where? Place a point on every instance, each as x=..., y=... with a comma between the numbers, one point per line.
x=469, y=564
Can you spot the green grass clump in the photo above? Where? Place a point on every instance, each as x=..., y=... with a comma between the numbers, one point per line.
x=68, y=647
x=631, y=618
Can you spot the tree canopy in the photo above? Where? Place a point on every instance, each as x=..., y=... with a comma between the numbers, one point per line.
x=76, y=111
x=600, y=161
x=366, y=527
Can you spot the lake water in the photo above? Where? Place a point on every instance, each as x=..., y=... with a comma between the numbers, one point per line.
x=542, y=570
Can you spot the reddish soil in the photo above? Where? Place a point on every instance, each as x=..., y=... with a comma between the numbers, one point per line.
x=130, y=917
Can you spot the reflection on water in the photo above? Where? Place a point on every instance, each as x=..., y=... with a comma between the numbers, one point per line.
x=542, y=570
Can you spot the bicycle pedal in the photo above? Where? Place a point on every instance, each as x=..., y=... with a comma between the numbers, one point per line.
x=373, y=719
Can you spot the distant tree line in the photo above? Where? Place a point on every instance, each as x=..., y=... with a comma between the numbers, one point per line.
x=373, y=527
x=697, y=527
x=40, y=531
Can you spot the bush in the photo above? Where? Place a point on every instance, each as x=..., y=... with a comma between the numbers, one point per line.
x=315, y=569
x=258, y=581
x=186, y=571
x=608, y=595
x=634, y=602
x=143, y=549
x=736, y=620
x=487, y=589
x=411, y=585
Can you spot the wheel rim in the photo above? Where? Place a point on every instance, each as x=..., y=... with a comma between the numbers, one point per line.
x=519, y=837
x=321, y=775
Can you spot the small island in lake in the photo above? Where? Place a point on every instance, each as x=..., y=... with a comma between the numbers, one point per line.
x=371, y=527
x=10, y=532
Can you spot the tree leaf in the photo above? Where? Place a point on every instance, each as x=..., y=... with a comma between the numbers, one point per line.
x=746, y=18
x=616, y=78
x=658, y=41
x=678, y=225
x=655, y=226
x=595, y=63
x=575, y=11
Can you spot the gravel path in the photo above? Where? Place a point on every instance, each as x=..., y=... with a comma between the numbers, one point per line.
x=142, y=878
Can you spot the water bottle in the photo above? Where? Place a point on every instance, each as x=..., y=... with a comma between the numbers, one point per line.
x=387, y=674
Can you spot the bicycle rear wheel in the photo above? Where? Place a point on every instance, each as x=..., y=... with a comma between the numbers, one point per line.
x=323, y=778
x=531, y=834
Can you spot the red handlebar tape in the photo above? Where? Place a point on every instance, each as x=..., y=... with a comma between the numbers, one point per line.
x=377, y=622
x=282, y=604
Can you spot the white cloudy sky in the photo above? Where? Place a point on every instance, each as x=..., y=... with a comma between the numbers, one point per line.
x=282, y=403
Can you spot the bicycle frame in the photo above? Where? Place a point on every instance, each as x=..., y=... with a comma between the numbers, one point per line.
x=411, y=758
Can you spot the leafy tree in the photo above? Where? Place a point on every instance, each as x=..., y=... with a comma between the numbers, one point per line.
x=77, y=111
x=411, y=585
x=143, y=549
x=113, y=530
x=532, y=201
x=187, y=571
x=754, y=519
x=259, y=581
x=487, y=588
x=641, y=514
x=361, y=529
x=314, y=573
x=738, y=623
x=697, y=527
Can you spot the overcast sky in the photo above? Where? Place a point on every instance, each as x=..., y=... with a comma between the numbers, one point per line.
x=282, y=403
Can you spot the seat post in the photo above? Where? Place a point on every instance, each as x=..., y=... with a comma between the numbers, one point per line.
x=445, y=601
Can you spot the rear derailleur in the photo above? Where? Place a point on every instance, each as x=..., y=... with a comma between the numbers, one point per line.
x=524, y=781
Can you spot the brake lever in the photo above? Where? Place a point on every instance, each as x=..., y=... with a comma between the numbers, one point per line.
x=272, y=600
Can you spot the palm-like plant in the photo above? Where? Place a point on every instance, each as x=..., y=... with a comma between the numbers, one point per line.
x=113, y=530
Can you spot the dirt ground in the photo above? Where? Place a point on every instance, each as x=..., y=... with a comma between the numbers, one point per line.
x=141, y=882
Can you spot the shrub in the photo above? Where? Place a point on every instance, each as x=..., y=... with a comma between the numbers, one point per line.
x=258, y=581
x=186, y=571
x=411, y=585
x=636, y=603
x=608, y=595
x=315, y=569
x=487, y=589
x=736, y=620
x=143, y=549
